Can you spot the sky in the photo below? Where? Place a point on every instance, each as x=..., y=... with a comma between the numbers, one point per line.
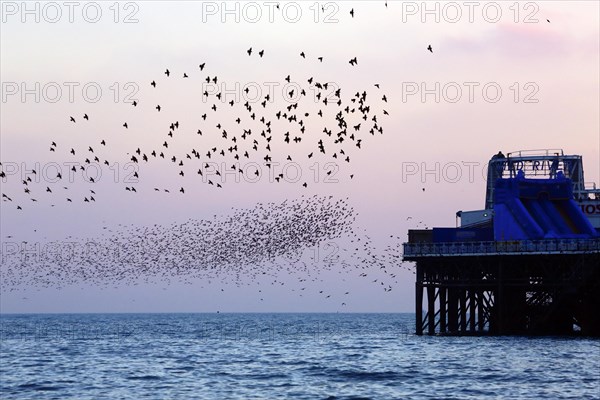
x=500, y=76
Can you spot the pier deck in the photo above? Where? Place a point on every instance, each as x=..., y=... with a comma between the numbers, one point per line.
x=529, y=287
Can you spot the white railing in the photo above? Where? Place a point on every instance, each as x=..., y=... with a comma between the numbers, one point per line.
x=546, y=246
x=536, y=153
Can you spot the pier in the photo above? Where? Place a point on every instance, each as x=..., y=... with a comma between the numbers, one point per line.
x=545, y=287
x=526, y=264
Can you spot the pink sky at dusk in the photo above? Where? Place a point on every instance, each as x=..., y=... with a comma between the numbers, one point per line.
x=548, y=74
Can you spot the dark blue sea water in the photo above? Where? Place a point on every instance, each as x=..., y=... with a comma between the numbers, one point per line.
x=280, y=356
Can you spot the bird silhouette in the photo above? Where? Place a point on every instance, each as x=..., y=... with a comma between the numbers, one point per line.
x=346, y=120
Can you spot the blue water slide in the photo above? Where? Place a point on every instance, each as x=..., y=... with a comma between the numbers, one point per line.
x=538, y=215
x=574, y=213
x=562, y=226
x=563, y=208
x=523, y=216
x=506, y=227
x=512, y=221
x=538, y=208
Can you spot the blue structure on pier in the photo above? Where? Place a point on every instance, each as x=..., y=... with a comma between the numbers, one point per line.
x=528, y=263
x=529, y=209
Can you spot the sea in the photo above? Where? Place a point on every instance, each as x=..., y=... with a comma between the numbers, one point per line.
x=280, y=356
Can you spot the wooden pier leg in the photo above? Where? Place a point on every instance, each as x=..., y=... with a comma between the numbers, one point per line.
x=472, y=310
x=480, y=309
x=452, y=310
x=419, y=301
x=442, y=292
x=431, y=308
x=463, y=310
x=499, y=304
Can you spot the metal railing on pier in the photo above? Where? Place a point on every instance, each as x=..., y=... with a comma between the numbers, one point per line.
x=517, y=247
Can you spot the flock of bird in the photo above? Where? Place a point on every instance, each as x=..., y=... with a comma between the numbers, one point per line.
x=251, y=137
x=249, y=243
x=257, y=143
x=347, y=119
x=260, y=245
